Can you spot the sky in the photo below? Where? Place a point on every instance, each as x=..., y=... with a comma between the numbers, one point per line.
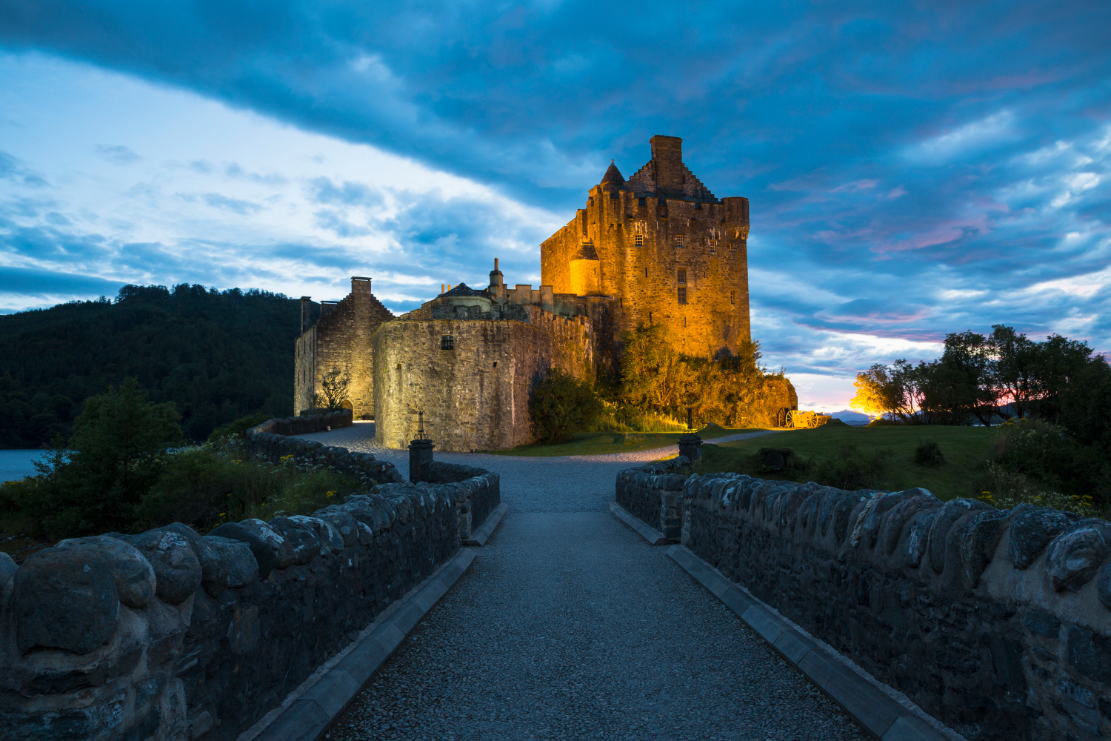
x=913, y=168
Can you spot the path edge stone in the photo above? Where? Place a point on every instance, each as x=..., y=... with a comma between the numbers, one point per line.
x=324, y=697
x=654, y=537
x=866, y=702
x=483, y=534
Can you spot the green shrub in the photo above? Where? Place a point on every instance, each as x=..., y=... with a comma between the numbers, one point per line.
x=928, y=453
x=117, y=452
x=561, y=406
x=852, y=469
x=239, y=427
x=782, y=461
x=1004, y=488
x=1050, y=458
x=204, y=489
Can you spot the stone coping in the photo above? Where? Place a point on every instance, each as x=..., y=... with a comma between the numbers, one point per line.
x=654, y=537
x=479, y=537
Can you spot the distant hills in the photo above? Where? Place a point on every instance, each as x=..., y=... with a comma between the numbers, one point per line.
x=850, y=417
x=218, y=355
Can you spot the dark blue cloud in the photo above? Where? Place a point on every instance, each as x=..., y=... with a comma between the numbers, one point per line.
x=930, y=163
x=36, y=282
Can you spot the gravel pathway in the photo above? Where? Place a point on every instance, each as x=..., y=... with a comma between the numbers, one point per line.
x=569, y=626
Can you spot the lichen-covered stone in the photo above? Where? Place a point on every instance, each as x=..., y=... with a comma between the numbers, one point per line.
x=953, y=511
x=65, y=598
x=282, y=550
x=900, y=515
x=1032, y=530
x=1074, y=556
x=305, y=543
x=1103, y=588
x=977, y=541
x=866, y=531
x=326, y=534
x=263, y=553
x=238, y=566
x=132, y=572
x=176, y=566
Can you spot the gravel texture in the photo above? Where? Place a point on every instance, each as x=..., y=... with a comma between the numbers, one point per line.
x=569, y=626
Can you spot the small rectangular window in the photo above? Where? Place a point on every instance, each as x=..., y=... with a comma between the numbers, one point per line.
x=678, y=240
x=682, y=275
x=639, y=240
x=713, y=246
x=732, y=297
x=646, y=272
x=642, y=201
x=447, y=342
x=682, y=294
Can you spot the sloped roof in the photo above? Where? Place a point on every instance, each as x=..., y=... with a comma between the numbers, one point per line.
x=464, y=290
x=613, y=175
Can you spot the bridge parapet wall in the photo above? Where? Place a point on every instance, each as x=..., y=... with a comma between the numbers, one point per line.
x=998, y=623
x=170, y=635
x=654, y=494
x=305, y=425
x=477, y=491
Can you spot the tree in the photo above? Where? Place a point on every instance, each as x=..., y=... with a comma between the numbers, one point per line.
x=873, y=392
x=94, y=482
x=968, y=357
x=561, y=405
x=333, y=389
x=1014, y=363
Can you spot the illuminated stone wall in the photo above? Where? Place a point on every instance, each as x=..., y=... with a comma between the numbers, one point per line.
x=688, y=239
x=341, y=339
x=475, y=396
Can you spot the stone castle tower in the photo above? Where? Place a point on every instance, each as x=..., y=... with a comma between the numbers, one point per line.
x=664, y=248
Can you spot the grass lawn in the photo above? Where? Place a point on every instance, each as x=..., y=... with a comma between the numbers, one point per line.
x=963, y=447
x=607, y=443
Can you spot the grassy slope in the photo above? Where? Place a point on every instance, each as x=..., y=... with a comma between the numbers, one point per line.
x=607, y=443
x=963, y=447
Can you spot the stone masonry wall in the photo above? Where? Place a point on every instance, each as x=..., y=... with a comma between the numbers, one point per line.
x=478, y=490
x=998, y=623
x=475, y=396
x=341, y=339
x=173, y=636
x=654, y=494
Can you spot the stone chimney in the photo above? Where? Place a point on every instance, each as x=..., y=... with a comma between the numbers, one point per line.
x=667, y=157
x=306, y=313
x=497, y=282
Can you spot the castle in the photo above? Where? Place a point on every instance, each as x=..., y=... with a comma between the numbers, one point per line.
x=658, y=248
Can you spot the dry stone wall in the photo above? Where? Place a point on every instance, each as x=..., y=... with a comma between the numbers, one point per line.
x=173, y=636
x=996, y=622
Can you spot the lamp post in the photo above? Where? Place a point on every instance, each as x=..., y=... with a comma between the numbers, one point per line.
x=690, y=444
x=420, y=452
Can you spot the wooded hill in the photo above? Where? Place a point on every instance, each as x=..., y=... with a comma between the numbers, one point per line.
x=218, y=355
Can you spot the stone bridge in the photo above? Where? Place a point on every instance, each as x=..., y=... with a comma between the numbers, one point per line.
x=812, y=613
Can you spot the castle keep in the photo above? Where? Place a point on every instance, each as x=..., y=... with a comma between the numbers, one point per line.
x=658, y=248
x=664, y=249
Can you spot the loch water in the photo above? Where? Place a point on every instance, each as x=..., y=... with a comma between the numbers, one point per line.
x=15, y=464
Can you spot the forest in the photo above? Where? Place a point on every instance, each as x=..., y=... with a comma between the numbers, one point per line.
x=217, y=355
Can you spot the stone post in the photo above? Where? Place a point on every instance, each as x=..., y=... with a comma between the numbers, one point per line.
x=420, y=456
x=690, y=445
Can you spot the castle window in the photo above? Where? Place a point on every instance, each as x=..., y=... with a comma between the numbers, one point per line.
x=678, y=240
x=682, y=275
x=682, y=294
x=447, y=342
x=731, y=245
x=639, y=240
x=646, y=272
x=713, y=246
x=642, y=201
x=732, y=297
